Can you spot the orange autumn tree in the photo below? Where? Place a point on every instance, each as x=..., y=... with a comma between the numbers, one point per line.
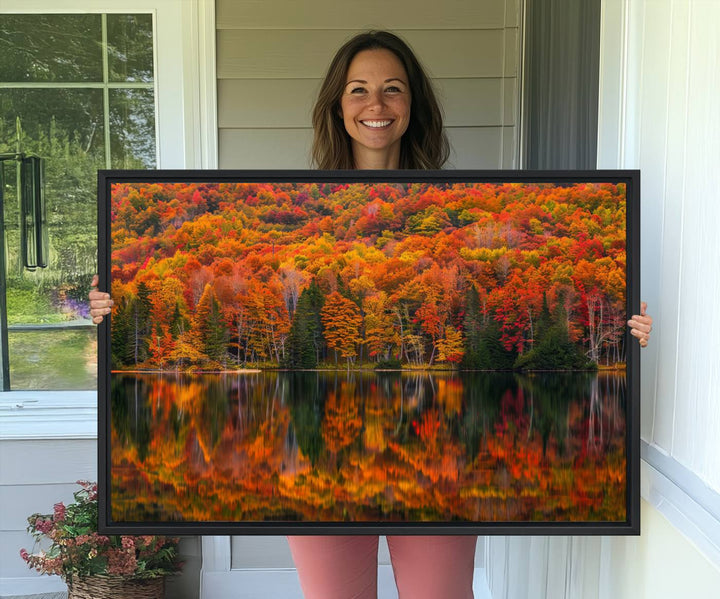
x=341, y=324
x=380, y=334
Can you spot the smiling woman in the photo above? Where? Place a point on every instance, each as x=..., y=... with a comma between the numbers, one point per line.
x=375, y=78
x=375, y=108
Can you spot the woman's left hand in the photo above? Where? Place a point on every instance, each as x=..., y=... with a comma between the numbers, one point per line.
x=641, y=325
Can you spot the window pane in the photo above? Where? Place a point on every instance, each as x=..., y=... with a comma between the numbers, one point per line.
x=130, y=47
x=132, y=128
x=65, y=127
x=53, y=116
x=50, y=48
x=53, y=359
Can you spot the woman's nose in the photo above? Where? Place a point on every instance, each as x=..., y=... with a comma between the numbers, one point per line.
x=375, y=99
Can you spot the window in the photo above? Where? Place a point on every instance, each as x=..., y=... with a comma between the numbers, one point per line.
x=77, y=90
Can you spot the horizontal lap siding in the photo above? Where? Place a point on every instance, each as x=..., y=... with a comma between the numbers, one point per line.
x=271, y=59
x=287, y=103
x=333, y=14
x=45, y=475
x=305, y=54
x=251, y=148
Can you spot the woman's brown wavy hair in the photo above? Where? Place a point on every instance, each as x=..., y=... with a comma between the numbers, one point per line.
x=424, y=145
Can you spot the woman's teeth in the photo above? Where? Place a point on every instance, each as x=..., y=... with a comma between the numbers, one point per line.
x=376, y=124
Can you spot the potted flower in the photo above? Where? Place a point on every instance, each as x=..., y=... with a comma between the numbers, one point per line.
x=93, y=565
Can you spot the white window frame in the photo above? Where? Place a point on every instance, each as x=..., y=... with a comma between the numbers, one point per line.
x=186, y=130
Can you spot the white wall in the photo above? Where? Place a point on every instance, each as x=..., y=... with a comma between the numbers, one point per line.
x=664, y=119
x=660, y=84
x=661, y=563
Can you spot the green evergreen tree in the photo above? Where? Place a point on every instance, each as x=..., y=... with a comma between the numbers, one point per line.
x=209, y=327
x=492, y=354
x=553, y=349
x=139, y=327
x=472, y=329
x=179, y=323
x=544, y=321
x=120, y=335
x=304, y=346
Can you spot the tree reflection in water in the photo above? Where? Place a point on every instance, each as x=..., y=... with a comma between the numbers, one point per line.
x=364, y=446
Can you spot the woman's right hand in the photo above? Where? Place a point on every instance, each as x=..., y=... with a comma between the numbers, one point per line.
x=100, y=302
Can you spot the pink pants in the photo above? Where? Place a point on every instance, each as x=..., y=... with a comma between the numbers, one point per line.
x=338, y=567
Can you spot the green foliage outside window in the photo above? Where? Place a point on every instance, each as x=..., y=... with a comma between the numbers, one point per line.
x=81, y=87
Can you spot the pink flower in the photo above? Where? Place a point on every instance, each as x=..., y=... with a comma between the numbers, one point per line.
x=89, y=488
x=59, y=512
x=128, y=543
x=71, y=554
x=121, y=562
x=44, y=526
x=53, y=565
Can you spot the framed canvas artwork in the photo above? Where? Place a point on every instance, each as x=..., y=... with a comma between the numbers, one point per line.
x=381, y=352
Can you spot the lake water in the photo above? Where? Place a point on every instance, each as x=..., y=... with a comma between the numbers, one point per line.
x=368, y=446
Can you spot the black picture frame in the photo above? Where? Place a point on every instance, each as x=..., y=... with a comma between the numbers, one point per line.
x=628, y=180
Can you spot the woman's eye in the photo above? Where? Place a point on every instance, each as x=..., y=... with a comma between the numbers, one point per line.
x=393, y=89
x=357, y=90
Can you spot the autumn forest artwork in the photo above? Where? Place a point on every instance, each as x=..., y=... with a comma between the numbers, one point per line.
x=418, y=351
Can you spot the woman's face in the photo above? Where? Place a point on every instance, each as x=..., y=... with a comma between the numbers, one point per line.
x=375, y=108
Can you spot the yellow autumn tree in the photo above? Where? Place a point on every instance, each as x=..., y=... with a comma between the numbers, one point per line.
x=450, y=347
x=341, y=322
x=380, y=334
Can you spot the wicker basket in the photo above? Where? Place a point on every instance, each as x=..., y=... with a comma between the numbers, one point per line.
x=116, y=587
